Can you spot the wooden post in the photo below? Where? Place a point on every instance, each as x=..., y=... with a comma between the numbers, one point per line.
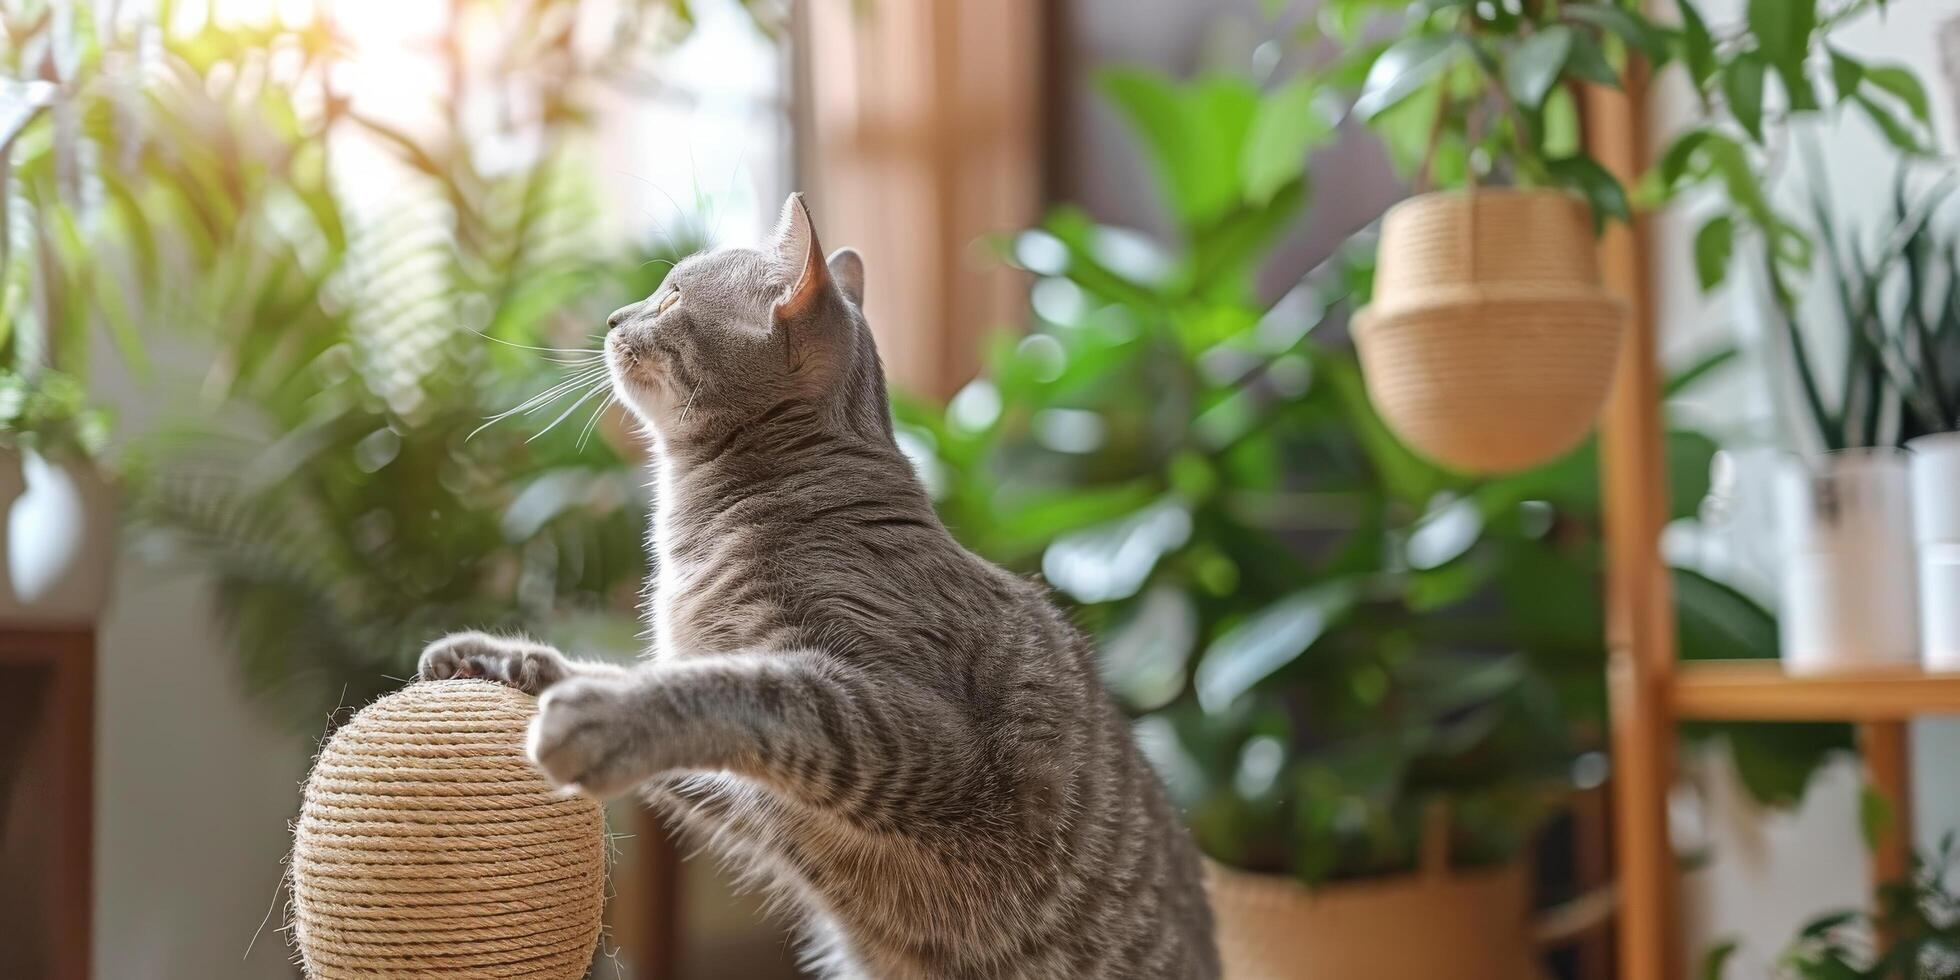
x=1888, y=771
x=656, y=909
x=1640, y=604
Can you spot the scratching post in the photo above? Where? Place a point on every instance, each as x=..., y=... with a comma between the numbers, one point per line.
x=429, y=846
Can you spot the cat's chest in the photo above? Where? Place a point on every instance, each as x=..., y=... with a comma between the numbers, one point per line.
x=713, y=593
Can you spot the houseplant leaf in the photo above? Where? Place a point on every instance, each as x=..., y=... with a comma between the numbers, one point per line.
x=1407, y=65
x=1288, y=124
x=1536, y=64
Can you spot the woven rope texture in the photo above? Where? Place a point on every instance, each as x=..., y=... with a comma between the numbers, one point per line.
x=428, y=846
x=1490, y=344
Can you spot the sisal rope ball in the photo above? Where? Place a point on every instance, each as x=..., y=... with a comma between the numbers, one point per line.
x=429, y=846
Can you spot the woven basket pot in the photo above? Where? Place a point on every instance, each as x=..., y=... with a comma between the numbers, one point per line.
x=429, y=846
x=1490, y=344
x=1463, y=925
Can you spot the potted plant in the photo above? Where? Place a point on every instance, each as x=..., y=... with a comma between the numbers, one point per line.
x=1369, y=682
x=58, y=516
x=1925, y=326
x=57, y=510
x=1850, y=593
x=1847, y=597
x=1490, y=343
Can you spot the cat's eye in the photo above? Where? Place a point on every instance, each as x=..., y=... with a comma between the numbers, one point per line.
x=673, y=296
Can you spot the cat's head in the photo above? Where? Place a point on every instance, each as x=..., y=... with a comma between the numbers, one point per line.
x=736, y=333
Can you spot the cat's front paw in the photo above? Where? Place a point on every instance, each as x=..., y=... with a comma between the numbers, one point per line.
x=529, y=667
x=590, y=737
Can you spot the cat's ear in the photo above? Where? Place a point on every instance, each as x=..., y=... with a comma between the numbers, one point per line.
x=801, y=257
x=847, y=269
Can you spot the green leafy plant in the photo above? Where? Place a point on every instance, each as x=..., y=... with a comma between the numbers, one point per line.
x=1323, y=636
x=49, y=414
x=1780, y=66
x=1468, y=91
x=333, y=472
x=1897, y=303
x=1914, y=935
x=1898, y=308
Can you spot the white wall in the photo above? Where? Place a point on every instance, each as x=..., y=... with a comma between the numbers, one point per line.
x=194, y=789
x=1770, y=872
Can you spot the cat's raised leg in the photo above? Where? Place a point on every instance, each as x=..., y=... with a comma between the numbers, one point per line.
x=825, y=734
x=527, y=665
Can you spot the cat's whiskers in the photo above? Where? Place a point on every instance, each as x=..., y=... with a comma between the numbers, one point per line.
x=580, y=351
x=569, y=409
x=591, y=422
x=584, y=380
x=588, y=381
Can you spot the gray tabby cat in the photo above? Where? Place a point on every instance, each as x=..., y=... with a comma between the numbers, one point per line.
x=907, y=743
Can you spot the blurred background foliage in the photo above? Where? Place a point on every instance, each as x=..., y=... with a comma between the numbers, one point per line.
x=1325, y=636
x=171, y=183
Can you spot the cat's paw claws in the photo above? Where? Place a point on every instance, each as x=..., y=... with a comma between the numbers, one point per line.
x=585, y=738
x=529, y=667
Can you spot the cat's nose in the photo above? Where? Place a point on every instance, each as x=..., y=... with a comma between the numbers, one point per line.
x=621, y=315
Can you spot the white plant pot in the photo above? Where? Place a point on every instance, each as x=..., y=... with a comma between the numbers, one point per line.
x=1936, y=527
x=59, y=542
x=1849, y=578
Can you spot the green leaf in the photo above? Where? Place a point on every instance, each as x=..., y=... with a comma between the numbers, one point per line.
x=1267, y=641
x=1679, y=156
x=1903, y=85
x=1718, y=156
x=1195, y=134
x=1686, y=378
x=1776, y=762
x=1588, y=61
x=1846, y=73
x=1718, y=622
x=1713, y=245
x=1535, y=66
x=1288, y=124
x=1797, y=89
x=1631, y=28
x=1342, y=20
x=1898, y=133
x=1697, y=44
x=1406, y=66
x=1875, y=816
x=1584, y=174
x=1561, y=124
x=1782, y=29
x=1716, y=962
x=1742, y=86
x=1144, y=655
x=1040, y=518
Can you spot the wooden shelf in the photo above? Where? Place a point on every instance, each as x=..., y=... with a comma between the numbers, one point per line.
x=1760, y=690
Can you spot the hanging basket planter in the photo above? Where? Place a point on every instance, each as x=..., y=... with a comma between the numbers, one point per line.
x=1490, y=344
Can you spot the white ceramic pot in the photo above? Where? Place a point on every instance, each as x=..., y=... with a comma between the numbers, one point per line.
x=60, y=543
x=1849, y=578
x=1936, y=526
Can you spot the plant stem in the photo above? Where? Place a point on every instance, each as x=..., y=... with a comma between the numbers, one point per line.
x=1827, y=431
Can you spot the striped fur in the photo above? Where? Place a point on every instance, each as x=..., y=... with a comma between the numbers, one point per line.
x=908, y=745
